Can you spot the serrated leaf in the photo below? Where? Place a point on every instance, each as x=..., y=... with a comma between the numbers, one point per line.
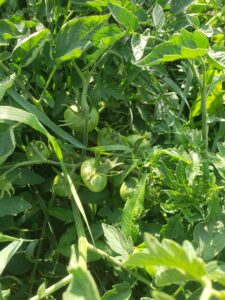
x=169, y=254
x=29, y=47
x=133, y=209
x=138, y=43
x=124, y=17
x=7, y=253
x=11, y=206
x=117, y=241
x=158, y=16
x=82, y=286
x=74, y=36
x=120, y=291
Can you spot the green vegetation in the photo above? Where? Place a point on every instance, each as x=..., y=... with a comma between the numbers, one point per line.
x=112, y=149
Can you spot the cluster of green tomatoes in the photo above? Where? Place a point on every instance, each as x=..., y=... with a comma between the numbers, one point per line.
x=93, y=171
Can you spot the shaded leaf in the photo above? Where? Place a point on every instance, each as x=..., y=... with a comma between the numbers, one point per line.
x=11, y=206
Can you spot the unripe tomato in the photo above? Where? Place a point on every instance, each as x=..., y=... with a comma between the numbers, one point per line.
x=74, y=118
x=94, y=181
x=128, y=188
x=37, y=150
x=60, y=186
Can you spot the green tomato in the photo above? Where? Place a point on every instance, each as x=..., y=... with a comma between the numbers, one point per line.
x=60, y=186
x=37, y=150
x=74, y=118
x=94, y=181
x=128, y=188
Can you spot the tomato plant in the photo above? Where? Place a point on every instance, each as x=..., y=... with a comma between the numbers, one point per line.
x=104, y=101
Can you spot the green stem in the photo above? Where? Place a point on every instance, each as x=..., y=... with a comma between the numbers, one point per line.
x=119, y=264
x=30, y=163
x=48, y=82
x=82, y=240
x=66, y=280
x=55, y=287
x=84, y=105
x=204, y=109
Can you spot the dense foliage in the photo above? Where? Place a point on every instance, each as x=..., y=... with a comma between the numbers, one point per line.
x=112, y=150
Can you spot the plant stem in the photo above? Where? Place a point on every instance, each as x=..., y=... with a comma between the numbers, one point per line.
x=55, y=287
x=119, y=264
x=84, y=105
x=204, y=109
x=48, y=82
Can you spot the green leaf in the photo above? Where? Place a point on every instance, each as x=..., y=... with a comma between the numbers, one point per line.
x=121, y=291
x=185, y=45
x=19, y=115
x=217, y=59
x=24, y=176
x=1, y=2
x=7, y=29
x=74, y=36
x=82, y=286
x=171, y=255
x=158, y=16
x=133, y=209
x=7, y=253
x=7, y=238
x=117, y=241
x=138, y=43
x=167, y=277
x=29, y=47
x=124, y=17
x=11, y=206
x=216, y=271
x=178, y=6
x=107, y=36
x=7, y=142
x=6, y=84
x=210, y=238
x=62, y=214
x=158, y=295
